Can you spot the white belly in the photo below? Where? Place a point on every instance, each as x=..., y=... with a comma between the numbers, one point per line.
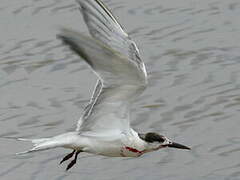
x=124, y=151
x=113, y=149
x=116, y=145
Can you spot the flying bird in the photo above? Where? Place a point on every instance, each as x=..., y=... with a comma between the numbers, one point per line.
x=104, y=127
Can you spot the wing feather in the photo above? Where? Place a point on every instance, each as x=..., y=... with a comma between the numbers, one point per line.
x=115, y=58
x=103, y=26
x=121, y=81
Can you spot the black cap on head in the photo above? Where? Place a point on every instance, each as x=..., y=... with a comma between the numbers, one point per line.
x=152, y=137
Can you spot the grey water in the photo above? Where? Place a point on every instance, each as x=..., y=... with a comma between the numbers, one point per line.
x=192, y=53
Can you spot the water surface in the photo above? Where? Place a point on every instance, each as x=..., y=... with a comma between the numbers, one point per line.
x=192, y=54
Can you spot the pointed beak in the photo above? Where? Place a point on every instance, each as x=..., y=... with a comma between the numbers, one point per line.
x=179, y=146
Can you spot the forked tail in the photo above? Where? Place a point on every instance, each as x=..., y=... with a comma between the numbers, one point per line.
x=63, y=140
x=38, y=144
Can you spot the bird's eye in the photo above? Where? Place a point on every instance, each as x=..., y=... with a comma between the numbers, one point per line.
x=161, y=140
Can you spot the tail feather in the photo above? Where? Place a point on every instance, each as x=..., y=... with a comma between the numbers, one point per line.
x=38, y=144
x=63, y=140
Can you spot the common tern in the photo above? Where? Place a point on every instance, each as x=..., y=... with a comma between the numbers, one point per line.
x=104, y=127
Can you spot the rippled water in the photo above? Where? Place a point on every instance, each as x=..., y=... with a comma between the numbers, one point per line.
x=192, y=53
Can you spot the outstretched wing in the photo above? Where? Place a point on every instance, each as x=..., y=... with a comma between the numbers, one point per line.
x=121, y=81
x=103, y=111
x=104, y=27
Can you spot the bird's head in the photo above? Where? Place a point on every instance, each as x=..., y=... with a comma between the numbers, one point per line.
x=156, y=141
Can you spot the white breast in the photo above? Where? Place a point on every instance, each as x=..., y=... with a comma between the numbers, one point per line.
x=118, y=146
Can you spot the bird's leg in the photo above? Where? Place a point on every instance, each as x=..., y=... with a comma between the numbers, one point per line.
x=73, y=161
x=67, y=156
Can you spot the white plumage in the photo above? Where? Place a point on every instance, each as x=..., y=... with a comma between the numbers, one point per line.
x=104, y=127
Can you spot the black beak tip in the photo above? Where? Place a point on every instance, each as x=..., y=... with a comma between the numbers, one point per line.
x=178, y=146
x=188, y=148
